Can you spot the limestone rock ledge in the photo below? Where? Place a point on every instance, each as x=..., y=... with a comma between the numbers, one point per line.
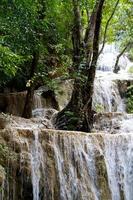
x=66, y=166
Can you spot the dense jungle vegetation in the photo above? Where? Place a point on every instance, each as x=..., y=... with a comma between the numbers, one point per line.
x=42, y=41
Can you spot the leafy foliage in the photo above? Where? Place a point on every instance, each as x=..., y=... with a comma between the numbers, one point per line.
x=9, y=63
x=46, y=26
x=28, y=26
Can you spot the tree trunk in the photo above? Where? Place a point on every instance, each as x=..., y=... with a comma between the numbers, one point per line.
x=116, y=67
x=78, y=114
x=27, y=112
x=89, y=86
x=76, y=35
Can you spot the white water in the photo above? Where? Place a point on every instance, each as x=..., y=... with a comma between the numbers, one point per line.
x=77, y=159
x=126, y=125
x=119, y=163
x=118, y=151
x=75, y=164
x=108, y=58
x=106, y=96
x=118, y=158
x=74, y=157
x=36, y=164
x=37, y=101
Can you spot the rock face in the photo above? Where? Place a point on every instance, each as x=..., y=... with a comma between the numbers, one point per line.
x=109, y=96
x=113, y=123
x=13, y=103
x=42, y=164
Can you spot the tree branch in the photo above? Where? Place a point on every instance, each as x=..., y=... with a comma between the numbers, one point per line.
x=106, y=27
x=116, y=67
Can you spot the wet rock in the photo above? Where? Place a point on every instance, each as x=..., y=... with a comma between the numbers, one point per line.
x=113, y=122
x=123, y=86
x=62, y=165
x=2, y=175
x=4, y=120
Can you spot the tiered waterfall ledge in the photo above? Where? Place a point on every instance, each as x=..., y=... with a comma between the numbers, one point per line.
x=45, y=164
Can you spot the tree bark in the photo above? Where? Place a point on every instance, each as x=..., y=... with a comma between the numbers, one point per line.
x=89, y=87
x=78, y=114
x=27, y=111
x=76, y=34
x=116, y=67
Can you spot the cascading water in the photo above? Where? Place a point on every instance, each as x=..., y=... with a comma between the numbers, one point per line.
x=36, y=164
x=126, y=125
x=107, y=97
x=75, y=165
x=37, y=101
x=80, y=166
x=66, y=165
x=71, y=165
x=88, y=167
x=119, y=163
x=108, y=57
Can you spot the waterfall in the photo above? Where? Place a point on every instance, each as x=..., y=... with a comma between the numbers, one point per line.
x=37, y=101
x=119, y=163
x=85, y=166
x=126, y=125
x=75, y=165
x=107, y=97
x=67, y=165
x=46, y=164
x=36, y=164
x=108, y=58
